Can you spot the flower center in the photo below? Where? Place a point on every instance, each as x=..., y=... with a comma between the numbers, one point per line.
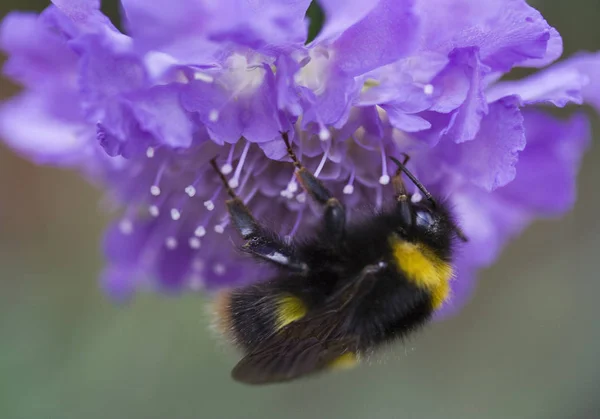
x=244, y=74
x=315, y=73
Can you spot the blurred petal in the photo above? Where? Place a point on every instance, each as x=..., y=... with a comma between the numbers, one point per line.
x=78, y=10
x=30, y=125
x=587, y=63
x=557, y=85
x=37, y=55
x=119, y=284
x=549, y=164
x=462, y=287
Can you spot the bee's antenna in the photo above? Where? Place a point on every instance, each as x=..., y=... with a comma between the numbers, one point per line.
x=230, y=192
x=402, y=167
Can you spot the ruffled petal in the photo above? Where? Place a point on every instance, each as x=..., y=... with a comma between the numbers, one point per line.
x=587, y=63
x=558, y=85
x=507, y=32
x=489, y=160
x=466, y=121
x=158, y=111
x=191, y=30
x=385, y=35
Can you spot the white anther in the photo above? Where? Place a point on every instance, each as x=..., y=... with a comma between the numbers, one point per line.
x=200, y=231
x=286, y=194
x=384, y=180
x=198, y=75
x=219, y=268
x=219, y=229
x=150, y=152
x=190, y=190
x=153, y=210
x=213, y=115
x=126, y=226
x=416, y=197
x=226, y=169
x=194, y=242
x=154, y=190
x=428, y=89
x=348, y=190
x=175, y=214
x=210, y=205
x=292, y=187
x=171, y=243
x=301, y=197
x=233, y=183
x=324, y=134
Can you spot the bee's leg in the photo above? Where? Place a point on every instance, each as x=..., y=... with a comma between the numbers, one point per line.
x=335, y=214
x=259, y=241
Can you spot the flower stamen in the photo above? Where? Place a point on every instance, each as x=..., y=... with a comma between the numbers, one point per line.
x=227, y=168
x=349, y=188
x=171, y=243
x=194, y=242
x=234, y=182
x=385, y=178
x=323, y=160
x=155, y=188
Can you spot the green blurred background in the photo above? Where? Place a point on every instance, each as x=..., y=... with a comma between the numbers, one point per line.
x=526, y=346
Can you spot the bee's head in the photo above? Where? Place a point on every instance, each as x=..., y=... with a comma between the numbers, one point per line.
x=427, y=221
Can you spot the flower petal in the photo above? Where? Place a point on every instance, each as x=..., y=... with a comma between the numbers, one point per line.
x=587, y=63
x=548, y=166
x=158, y=111
x=557, y=85
x=507, y=32
x=385, y=35
x=340, y=15
x=77, y=10
x=489, y=160
x=37, y=55
x=465, y=123
x=191, y=30
x=404, y=121
x=32, y=125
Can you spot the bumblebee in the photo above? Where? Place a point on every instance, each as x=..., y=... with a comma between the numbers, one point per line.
x=348, y=290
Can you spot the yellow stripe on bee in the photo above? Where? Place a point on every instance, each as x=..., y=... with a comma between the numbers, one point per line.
x=422, y=267
x=344, y=362
x=289, y=309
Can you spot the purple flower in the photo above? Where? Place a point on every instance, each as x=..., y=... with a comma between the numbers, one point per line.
x=144, y=112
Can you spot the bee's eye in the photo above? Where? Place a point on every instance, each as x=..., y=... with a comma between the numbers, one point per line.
x=424, y=219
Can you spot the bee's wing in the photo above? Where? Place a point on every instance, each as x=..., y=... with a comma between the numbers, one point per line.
x=286, y=356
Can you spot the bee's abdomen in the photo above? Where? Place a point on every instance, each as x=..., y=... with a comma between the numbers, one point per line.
x=390, y=313
x=252, y=314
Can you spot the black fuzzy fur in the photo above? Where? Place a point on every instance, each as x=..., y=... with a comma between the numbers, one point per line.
x=382, y=308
